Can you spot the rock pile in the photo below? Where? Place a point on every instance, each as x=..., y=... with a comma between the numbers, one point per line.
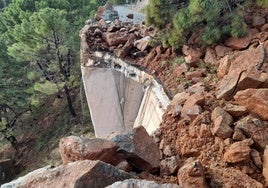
x=214, y=132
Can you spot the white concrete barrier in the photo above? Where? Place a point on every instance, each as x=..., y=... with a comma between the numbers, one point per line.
x=121, y=96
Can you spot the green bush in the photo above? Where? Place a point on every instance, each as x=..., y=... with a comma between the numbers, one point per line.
x=215, y=18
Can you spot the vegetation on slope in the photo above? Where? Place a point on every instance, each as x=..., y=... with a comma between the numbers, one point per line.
x=214, y=20
x=39, y=45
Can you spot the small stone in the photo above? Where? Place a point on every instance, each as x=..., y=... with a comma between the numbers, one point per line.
x=238, y=135
x=210, y=56
x=222, y=122
x=167, y=151
x=265, y=164
x=238, y=151
x=256, y=158
x=235, y=110
x=125, y=166
x=142, y=44
x=130, y=16
x=191, y=175
x=168, y=166
x=205, y=131
x=221, y=51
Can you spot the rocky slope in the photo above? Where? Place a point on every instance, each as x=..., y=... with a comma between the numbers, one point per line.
x=214, y=133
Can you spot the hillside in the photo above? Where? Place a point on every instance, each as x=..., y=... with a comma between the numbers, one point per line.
x=213, y=133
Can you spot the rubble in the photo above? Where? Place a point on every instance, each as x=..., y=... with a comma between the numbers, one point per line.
x=214, y=132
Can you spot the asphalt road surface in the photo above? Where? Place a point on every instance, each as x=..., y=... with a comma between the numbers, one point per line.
x=124, y=10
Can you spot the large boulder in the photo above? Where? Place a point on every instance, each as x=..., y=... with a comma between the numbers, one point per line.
x=240, y=43
x=139, y=149
x=256, y=101
x=84, y=174
x=239, y=72
x=137, y=183
x=75, y=148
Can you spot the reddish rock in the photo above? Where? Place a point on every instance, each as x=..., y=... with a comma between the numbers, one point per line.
x=113, y=28
x=74, y=148
x=139, y=149
x=222, y=122
x=205, y=131
x=195, y=99
x=191, y=175
x=99, y=13
x=239, y=43
x=262, y=36
x=210, y=56
x=192, y=112
x=235, y=110
x=138, y=183
x=197, y=88
x=264, y=27
x=114, y=39
x=265, y=164
x=230, y=177
x=143, y=43
x=193, y=56
x=93, y=174
x=126, y=49
x=238, y=151
x=240, y=77
x=169, y=166
x=221, y=51
x=224, y=65
x=194, y=74
x=180, y=98
x=256, y=101
x=179, y=70
x=192, y=107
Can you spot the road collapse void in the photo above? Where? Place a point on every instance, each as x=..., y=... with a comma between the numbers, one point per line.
x=121, y=96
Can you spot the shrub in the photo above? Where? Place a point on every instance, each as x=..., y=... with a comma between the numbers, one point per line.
x=217, y=19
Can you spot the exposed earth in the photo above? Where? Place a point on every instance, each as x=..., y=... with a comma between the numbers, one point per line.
x=215, y=130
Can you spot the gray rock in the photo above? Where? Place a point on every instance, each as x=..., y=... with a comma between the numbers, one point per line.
x=139, y=149
x=130, y=183
x=82, y=174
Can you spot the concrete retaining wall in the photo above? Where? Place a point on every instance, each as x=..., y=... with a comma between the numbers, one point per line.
x=121, y=96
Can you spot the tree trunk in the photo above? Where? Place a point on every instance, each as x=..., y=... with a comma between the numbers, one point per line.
x=69, y=101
